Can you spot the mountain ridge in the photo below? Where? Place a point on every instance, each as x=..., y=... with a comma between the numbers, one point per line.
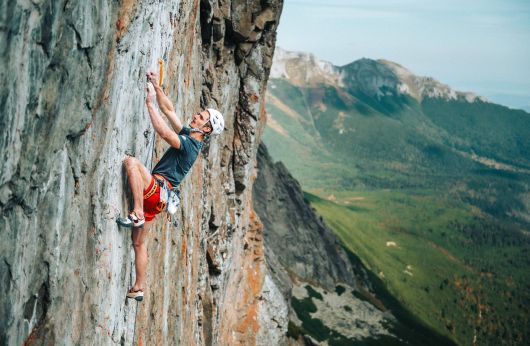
x=372, y=76
x=72, y=107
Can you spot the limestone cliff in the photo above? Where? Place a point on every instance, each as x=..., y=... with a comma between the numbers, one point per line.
x=72, y=104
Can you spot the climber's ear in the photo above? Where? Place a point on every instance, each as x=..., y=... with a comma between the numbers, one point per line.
x=207, y=128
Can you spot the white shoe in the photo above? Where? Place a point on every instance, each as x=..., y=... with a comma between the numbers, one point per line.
x=138, y=295
x=130, y=221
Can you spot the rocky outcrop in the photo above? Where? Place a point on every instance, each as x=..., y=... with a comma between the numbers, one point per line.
x=72, y=105
x=380, y=78
x=293, y=232
x=305, y=256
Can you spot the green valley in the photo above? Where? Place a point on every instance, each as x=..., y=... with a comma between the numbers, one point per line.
x=428, y=186
x=420, y=247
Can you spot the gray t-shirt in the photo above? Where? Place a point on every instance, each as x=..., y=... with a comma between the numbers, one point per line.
x=176, y=163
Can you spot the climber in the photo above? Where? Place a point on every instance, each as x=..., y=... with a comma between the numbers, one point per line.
x=185, y=145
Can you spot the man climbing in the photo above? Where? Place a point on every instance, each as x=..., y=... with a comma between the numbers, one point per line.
x=146, y=188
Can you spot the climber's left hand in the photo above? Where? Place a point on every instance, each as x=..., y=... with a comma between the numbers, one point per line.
x=152, y=77
x=150, y=93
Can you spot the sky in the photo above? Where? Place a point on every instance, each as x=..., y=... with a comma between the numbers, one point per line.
x=481, y=46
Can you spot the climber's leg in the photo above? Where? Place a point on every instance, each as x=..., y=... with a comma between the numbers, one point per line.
x=139, y=180
x=140, y=255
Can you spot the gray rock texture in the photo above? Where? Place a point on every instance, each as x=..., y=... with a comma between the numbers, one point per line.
x=353, y=318
x=72, y=104
x=302, y=251
x=293, y=232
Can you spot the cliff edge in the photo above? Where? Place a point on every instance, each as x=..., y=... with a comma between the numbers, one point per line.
x=72, y=105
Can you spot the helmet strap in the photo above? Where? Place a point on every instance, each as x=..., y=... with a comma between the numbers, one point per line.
x=193, y=129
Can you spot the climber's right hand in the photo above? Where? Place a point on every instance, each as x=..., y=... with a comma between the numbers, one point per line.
x=150, y=93
x=152, y=77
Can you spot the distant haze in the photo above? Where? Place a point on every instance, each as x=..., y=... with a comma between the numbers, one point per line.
x=480, y=46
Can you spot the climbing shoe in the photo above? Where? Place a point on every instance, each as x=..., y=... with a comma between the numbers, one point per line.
x=130, y=221
x=138, y=295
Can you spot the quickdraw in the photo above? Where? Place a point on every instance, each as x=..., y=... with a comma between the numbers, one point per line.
x=161, y=72
x=169, y=197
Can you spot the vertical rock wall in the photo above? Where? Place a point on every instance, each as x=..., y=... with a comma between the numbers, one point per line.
x=72, y=104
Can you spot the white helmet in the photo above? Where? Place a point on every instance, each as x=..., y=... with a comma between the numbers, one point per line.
x=217, y=121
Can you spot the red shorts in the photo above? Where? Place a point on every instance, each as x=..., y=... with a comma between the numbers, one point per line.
x=152, y=203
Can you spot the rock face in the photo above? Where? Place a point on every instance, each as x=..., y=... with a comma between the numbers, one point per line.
x=72, y=105
x=293, y=232
x=304, y=255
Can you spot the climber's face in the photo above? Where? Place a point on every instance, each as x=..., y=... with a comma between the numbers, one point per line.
x=201, y=121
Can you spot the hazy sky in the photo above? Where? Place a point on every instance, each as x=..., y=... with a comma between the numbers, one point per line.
x=472, y=45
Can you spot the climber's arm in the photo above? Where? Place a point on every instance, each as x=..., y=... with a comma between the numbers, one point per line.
x=158, y=123
x=164, y=103
x=167, y=108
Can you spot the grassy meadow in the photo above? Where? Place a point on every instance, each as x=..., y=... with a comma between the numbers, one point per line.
x=419, y=247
